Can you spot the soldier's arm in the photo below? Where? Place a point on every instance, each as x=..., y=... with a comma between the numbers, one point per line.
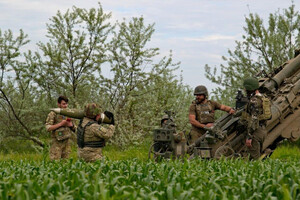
x=105, y=132
x=50, y=126
x=194, y=122
x=227, y=109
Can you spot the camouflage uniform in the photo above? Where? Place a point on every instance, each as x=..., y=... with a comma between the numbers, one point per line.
x=255, y=127
x=205, y=113
x=60, y=144
x=93, y=133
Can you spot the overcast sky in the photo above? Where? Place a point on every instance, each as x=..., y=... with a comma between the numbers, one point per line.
x=198, y=32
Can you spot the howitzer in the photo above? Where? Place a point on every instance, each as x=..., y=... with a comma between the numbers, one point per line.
x=79, y=114
x=167, y=143
x=282, y=87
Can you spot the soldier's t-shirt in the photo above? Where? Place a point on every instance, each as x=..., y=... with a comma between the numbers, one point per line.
x=61, y=133
x=204, y=112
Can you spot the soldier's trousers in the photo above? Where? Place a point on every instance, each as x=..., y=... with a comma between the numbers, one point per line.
x=90, y=154
x=195, y=134
x=60, y=149
x=257, y=141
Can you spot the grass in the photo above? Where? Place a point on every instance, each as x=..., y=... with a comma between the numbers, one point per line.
x=137, y=179
x=140, y=152
x=127, y=174
x=132, y=152
x=110, y=152
x=287, y=151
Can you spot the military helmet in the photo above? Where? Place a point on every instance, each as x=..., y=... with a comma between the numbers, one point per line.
x=251, y=84
x=91, y=110
x=201, y=89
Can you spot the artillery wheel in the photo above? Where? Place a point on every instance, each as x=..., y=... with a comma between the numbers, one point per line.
x=224, y=151
x=152, y=155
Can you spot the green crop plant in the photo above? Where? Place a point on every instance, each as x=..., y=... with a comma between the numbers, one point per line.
x=137, y=179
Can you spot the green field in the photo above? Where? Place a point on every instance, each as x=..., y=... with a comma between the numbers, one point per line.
x=136, y=179
x=128, y=174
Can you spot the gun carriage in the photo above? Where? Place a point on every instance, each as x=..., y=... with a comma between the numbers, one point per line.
x=167, y=143
x=282, y=87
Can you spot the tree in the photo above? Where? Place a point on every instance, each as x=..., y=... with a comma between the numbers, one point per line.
x=71, y=61
x=81, y=42
x=264, y=47
x=135, y=91
x=16, y=100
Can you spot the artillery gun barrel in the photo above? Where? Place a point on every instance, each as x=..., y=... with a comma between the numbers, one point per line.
x=223, y=120
x=296, y=88
x=282, y=121
x=288, y=70
x=284, y=129
x=283, y=105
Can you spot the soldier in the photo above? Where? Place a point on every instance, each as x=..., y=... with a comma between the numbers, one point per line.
x=257, y=112
x=91, y=135
x=167, y=123
x=61, y=129
x=202, y=113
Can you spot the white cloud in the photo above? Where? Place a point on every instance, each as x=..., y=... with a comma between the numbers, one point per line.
x=210, y=38
x=198, y=31
x=32, y=5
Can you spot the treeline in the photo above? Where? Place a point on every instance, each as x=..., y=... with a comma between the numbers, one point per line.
x=141, y=83
x=265, y=45
x=140, y=86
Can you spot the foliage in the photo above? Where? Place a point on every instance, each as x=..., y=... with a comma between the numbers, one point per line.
x=264, y=47
x=12, y=146
x=140, y=88
x=72, y=59
x=287, y=151
x=80, y=44
x=18, y=97
x=135, y=179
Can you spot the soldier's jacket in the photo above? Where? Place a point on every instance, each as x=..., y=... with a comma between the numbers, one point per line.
x=61, y=133
x=94, y=132
x=205, y=112
x=251, y=116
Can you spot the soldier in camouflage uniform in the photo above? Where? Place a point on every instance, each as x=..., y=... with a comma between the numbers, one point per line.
x=252, y=119
x=202, y=113
x=61, y=129
x=94, y=134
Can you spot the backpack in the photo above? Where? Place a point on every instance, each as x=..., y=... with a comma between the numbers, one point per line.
x=267, y=113
x=80, y=133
